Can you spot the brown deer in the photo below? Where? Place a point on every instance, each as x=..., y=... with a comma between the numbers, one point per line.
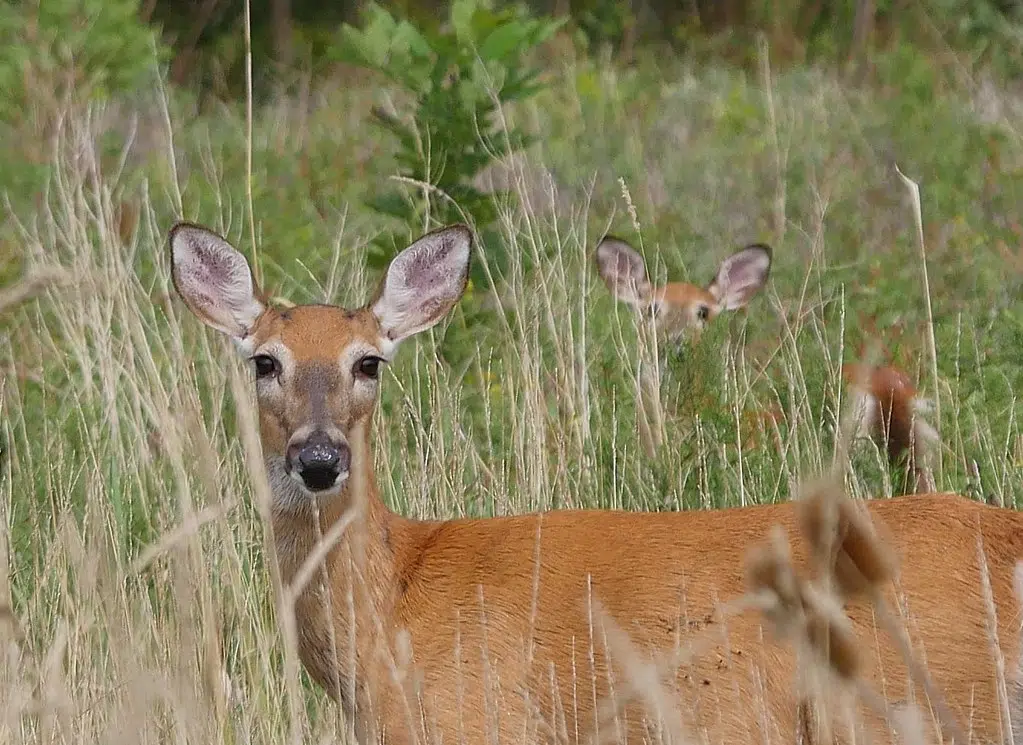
x=486, y=630
x=680, y=308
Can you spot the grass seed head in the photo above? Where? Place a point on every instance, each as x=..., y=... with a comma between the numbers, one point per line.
x=830, y=634
x=844, y=539
x=769, y=574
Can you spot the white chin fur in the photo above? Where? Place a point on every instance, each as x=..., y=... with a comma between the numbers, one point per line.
x=290, y=494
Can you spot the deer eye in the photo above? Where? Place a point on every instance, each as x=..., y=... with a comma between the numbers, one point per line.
x=368, y=367
x=266, y=366
x=703, y=313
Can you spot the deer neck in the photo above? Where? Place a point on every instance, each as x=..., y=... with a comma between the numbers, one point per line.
x=354, y=587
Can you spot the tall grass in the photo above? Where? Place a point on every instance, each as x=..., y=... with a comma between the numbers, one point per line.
x=140, y=601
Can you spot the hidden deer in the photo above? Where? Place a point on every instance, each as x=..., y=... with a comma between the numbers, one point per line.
x=494, y=630
x=887, y=407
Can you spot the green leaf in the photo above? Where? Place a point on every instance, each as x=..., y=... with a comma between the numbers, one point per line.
x=462, y=12
x=502, y=40
x=351, y=48
x=391, y=203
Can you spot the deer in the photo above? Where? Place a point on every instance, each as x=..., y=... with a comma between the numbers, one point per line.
x=889, y=411
x=474, y=630
x=680, y=311
x=888, y=408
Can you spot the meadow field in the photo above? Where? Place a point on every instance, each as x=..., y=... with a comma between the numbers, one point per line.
x=136, y=604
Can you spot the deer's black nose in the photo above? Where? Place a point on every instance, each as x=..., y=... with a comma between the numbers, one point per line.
x=319, y=460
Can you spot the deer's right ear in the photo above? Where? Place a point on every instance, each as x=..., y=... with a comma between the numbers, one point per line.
x=623, y=270
x=214, y=280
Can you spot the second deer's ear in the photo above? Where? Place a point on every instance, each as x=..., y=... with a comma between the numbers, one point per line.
x=741, y=276
x=623, y=270
x=214, y=280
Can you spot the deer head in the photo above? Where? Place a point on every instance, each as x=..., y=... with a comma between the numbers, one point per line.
x=316, y=367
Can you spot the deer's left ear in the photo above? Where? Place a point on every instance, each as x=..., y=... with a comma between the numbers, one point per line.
x=741, y=276
x=623, y=270
x=424, y=282
x=214, y=280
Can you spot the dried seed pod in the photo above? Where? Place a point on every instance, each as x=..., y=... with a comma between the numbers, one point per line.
x=843, y=538
x=830, y=634
x=769, y=571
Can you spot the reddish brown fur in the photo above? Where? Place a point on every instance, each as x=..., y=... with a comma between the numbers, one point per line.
x=660, y=576
x=498, y=612
x=471, y=585
x=892, y=393
x=679, y=303
x=315, y=336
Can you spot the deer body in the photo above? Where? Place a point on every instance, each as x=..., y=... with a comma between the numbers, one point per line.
x=491, y=630
x=501, y=611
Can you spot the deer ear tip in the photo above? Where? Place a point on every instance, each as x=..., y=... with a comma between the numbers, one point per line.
x=175, y=229
x=180, y=225
x=605, y=247
x=457, y=229
x=465, y=234
x=762, y=248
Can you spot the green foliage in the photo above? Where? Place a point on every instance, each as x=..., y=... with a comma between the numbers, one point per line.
x=458, y=78
x=605, y=22
x=94, y=48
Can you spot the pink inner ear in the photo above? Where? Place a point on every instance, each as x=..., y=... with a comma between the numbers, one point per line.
x=740, y=277
x=423, y=282
x=215, y=280
x=623, y=266
x=623, y=269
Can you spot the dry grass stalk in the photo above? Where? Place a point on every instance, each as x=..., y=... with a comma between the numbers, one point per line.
x=35, y=282
x=643, y=680
x=770, y=577
x=799, y=611
x=814, y=621
x=845, y=542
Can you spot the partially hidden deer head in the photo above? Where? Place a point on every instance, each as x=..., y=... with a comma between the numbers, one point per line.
x=679, y=309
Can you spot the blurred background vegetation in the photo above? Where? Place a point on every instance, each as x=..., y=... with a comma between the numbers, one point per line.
x=104, y=43
x=482, y=54
x=706, y=122
x=688, y=128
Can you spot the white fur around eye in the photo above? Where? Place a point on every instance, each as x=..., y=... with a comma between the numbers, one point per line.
x=272, y=386
x=350, y=360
